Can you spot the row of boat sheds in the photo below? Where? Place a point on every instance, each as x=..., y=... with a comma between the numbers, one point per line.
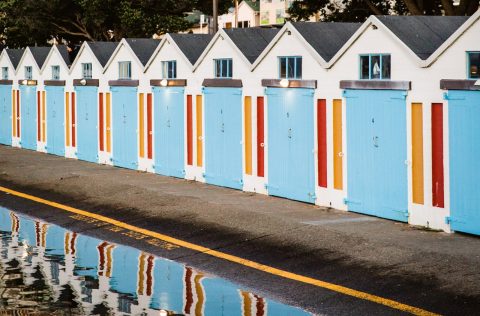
x=379, y=117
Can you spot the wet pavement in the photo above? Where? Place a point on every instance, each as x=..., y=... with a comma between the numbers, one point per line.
x=46, y=269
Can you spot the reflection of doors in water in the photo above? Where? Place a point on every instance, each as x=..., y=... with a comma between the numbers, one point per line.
x=55, y=120
x=377, y=153
x=28, y=117
x=87, y=123
x=223, y=137
x=169, y=131
x=6, y=114
x=464, y=144
x=124, y=127
x=291, y=172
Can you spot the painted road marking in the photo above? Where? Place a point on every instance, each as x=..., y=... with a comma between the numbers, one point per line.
x=245, y=262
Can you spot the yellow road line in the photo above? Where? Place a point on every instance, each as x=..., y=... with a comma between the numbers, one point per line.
x=245, y=262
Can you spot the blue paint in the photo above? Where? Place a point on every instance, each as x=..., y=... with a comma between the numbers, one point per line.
x=222, y=297
x=55, y=240
x=28, y=117
x=87, y=123
x=86, y=256
x=124, y=127
x=55, y=120
x=464, y=144
x=377, y=151
x=168, y=288
x=125, y=259
x=291, y=170
x=223, y=137
x=169, y=135
x=6, y=114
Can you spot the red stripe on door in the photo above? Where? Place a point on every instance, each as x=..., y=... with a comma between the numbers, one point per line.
x=73, y=120
x=189, y=131
x=100, y=117
x=322, y=142
x=260, y=137
x=39, y=117
x=437, y=155
x=149, y=127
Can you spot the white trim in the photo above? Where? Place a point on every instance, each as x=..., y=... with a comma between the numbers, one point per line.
x=166, y=39
x=50, y=53
x=122, y=43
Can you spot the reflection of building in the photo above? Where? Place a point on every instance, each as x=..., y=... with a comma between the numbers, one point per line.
x=46, y=269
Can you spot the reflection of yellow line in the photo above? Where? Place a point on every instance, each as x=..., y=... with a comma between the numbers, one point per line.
x=231, y=258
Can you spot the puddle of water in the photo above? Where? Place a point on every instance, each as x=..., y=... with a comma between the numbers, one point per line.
x=48, y=270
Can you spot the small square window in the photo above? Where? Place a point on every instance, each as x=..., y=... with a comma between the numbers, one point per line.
x=290, y=67
x=56, y=72
x=87, y=70
x=124, y=70
x=375, y=66
x=473, y=65
x=169, y=69
x=5, y=73
x=28, y=72
x=223, y=68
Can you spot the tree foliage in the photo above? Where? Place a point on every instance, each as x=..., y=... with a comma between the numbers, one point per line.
x=30, y=22
x=360, y=10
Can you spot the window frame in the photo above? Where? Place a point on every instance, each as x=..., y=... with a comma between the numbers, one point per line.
x=166, y=64
x=4, y=73
x=469, y=77
x=28, y=72
x=128, y=70
x=229, y=73
x=380, y=55
x=55, y=72
x=85, y=70
x=295, y=58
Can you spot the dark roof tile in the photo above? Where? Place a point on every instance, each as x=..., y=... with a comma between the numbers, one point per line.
x=15, y=55
x=103, y=50
x=143, y=47
x=192, y=45
x=40, y=54
x=251, y=41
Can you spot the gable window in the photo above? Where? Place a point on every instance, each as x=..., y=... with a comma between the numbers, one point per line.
x=124, y=70
x=243, y=24
x=290, y=67
x=375, y=66
x=87, y=70
x=223, y=68
x=56, y=72
x=5, y=73
x=169, y=69
x=473, y=59
x=28, y=72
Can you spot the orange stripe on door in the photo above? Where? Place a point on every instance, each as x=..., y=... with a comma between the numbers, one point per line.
x=248, y=135
x=141, y=124
x=108, y=122
x=199, y=131
x=67, y=116
x=417, y=153
x=337, y=145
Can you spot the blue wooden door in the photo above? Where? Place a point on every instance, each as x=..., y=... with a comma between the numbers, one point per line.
x=55, y=120
x=124, y=127
x=87, y=123
x=223, y=137
x=291, y=170
x=464, y=144
x=28, y=117
x=377, y=152
x=169, y=131
x=6, y=114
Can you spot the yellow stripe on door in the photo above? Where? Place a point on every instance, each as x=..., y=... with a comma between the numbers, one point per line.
x=337, y=145
x=199, y=117
x=417, y=153
x=248, y=135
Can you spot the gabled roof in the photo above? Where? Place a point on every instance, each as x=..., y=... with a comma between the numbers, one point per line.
x=15, y=56
x=40, y=54
x=191, y=45
x=254, y=4
x=251, y=41
x=143, y=48
x=423, y=34
x=102, y=50
x=63, y=50
x=326, y=37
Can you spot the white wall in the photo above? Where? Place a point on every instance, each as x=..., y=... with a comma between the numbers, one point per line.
x=245, y=13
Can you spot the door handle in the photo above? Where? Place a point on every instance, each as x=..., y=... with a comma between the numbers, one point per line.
x=375, y=141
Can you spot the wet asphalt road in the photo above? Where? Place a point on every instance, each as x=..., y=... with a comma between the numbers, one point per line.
x=430, y=270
